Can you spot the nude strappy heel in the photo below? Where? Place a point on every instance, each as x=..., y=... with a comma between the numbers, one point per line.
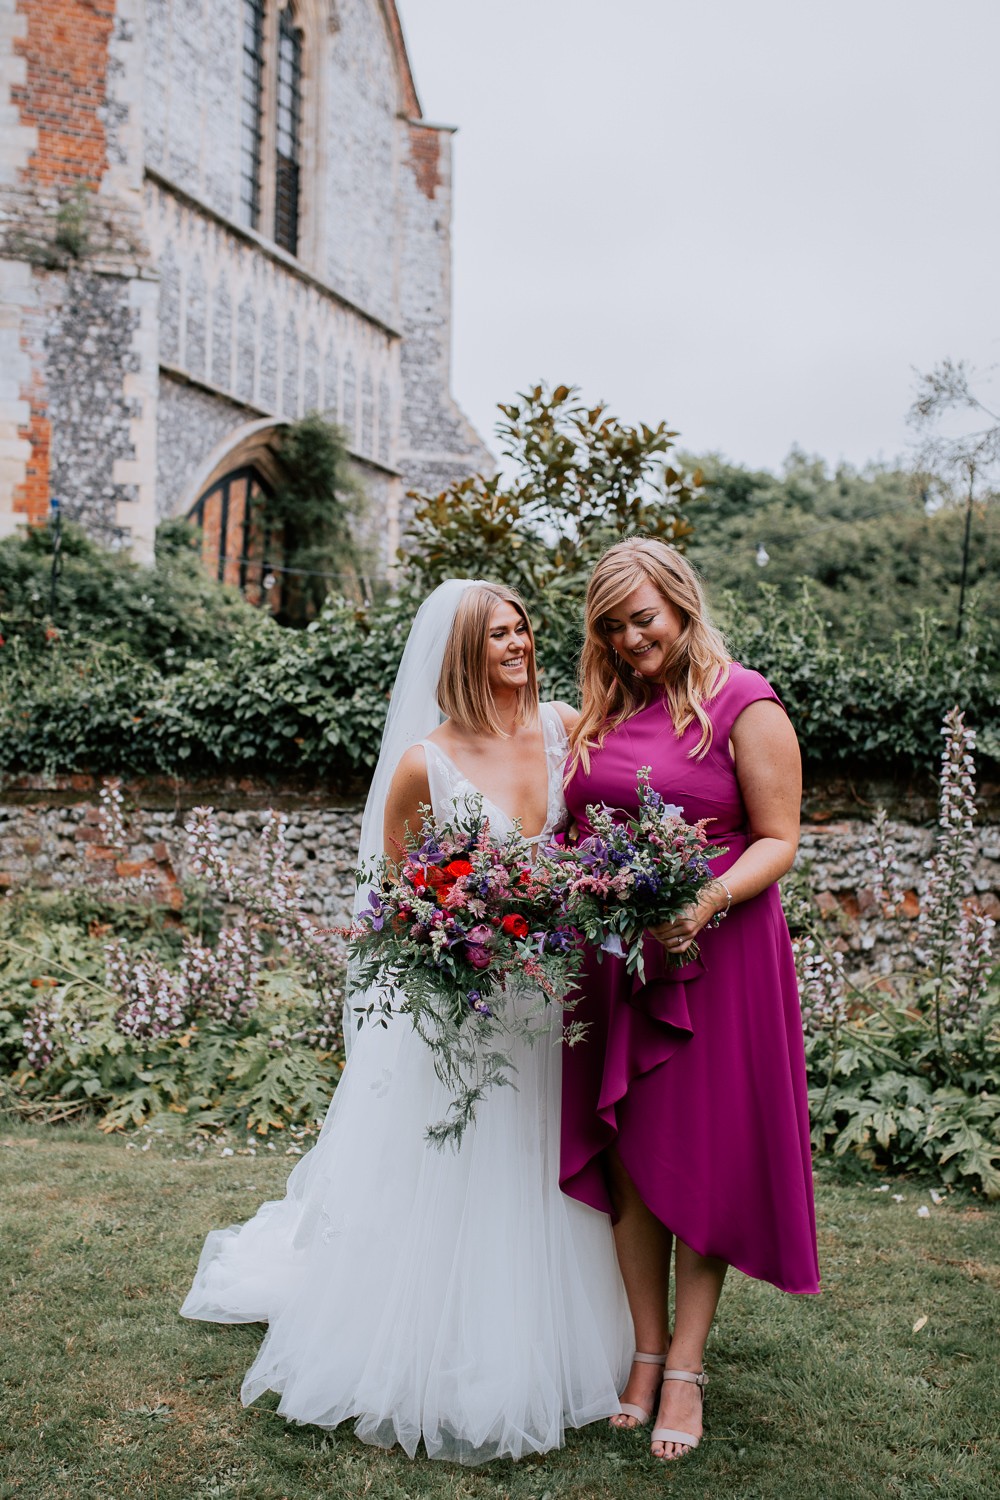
x=671, y=1434
x=641, y=1414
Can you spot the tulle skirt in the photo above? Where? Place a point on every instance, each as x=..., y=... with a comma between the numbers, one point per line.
x=456, y=1297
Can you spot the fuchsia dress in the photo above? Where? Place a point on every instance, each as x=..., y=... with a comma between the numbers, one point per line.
x=699, y=1076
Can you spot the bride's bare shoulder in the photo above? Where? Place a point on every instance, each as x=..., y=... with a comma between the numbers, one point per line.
x=567, y=714
x=410, y=774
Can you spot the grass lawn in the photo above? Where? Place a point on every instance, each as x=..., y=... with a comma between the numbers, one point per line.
x=108, y=1393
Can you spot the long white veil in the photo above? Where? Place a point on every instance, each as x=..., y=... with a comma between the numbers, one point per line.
x=413, y=713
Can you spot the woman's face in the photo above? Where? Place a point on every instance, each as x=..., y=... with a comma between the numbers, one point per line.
x=508, y=649
x=642, y=628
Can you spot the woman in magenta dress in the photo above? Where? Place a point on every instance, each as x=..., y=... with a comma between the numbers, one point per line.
x=684, y=1109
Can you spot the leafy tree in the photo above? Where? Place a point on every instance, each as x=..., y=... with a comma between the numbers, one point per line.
x=575, y=481
x=876, y=556
x=970, y=456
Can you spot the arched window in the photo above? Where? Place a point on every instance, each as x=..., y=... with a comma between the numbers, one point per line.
x=238, y=545
x=271, y=121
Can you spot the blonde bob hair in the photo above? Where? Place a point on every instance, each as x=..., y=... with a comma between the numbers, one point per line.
x=696, y=664
x=464, y=693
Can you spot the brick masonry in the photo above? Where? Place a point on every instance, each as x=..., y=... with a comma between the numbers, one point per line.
x=63, y=95
x=50, y=837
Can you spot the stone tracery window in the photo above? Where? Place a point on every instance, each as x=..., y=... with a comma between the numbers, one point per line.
x=288, y=133
x=271, y=121
x=251, y=103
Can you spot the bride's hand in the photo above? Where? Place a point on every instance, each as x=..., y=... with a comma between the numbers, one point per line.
x=678, y=935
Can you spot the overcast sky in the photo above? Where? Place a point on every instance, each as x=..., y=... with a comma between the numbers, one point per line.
x=752, y=218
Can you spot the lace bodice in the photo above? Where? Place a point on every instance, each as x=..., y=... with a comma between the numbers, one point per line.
x=452, y=791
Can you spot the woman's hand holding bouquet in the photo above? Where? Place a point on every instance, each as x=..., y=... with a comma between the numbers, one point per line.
x=633, y=872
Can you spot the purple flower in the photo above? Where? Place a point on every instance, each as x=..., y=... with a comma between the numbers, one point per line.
x=375, y=912
x=478, y=957
x=591, y=852
x=478, y=1004
x=559, y=940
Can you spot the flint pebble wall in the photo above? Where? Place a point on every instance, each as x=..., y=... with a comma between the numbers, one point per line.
x=51, y=837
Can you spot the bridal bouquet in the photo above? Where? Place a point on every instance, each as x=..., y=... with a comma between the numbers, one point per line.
x=467, y=938
x=632, y=872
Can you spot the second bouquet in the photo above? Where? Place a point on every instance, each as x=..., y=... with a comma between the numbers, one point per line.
x=632, y=872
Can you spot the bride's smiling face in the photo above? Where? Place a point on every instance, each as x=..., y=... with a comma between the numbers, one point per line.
x=508, y=649
x=642, y=628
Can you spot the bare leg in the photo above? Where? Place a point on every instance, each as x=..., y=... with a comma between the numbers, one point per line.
x=643, y=1246
x=699, y=1287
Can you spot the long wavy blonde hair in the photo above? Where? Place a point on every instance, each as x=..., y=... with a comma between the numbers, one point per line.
x=695, y=666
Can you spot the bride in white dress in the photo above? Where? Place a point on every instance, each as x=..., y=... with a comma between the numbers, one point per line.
x=451, y=1296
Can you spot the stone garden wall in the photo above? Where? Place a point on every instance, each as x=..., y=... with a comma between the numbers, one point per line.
x=50, y=837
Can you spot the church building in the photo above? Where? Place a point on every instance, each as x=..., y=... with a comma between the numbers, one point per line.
x=215, y=217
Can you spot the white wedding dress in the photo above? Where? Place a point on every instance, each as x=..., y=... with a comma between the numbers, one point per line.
x=451, y=1296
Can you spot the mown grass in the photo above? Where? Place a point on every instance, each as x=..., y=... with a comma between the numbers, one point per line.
x=108, y=1394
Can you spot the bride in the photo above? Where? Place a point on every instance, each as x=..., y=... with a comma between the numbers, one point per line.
x=451, y=1296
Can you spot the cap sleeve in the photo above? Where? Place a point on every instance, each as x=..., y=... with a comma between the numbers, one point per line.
x=742, y=687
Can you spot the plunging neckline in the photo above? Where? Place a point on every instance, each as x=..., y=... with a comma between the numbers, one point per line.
x=488, y=801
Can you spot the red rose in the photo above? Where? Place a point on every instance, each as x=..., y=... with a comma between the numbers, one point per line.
x=515, y=926
x=458, y=868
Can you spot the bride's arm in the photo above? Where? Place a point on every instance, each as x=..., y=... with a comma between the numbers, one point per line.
x=408, y=790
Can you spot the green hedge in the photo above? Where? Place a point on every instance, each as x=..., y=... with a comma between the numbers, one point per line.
x=167, y=614
x=314, y=701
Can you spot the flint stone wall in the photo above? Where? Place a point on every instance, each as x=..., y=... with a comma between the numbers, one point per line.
x=50, y=837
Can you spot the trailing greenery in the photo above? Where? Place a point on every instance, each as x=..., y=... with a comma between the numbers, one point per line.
x=282, y=702
x=163, y=670
x=162, y=616
x=315, y=507
x=865, y=704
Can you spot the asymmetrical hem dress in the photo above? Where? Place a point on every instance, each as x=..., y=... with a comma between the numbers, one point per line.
x=698, y=1076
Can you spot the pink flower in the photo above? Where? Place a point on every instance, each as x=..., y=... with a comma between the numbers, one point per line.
x=479, y=934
